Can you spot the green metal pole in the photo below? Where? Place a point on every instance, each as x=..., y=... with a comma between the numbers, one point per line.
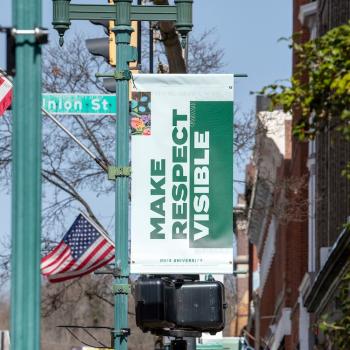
x=63, y=13
x=123, y=31
x=26, y=181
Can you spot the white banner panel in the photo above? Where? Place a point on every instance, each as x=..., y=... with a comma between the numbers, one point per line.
x=182, y=164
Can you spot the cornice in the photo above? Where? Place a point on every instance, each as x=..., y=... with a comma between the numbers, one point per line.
x=329, y=276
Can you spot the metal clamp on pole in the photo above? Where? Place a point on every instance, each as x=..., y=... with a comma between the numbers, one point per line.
x=121, y=288
x=117, y=75
x=114, y=172
x=122, y=75
x=41, y=34
x=123, y=332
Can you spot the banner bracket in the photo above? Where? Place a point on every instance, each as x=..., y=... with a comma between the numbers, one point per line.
x=118, y=75
x=121, y=288
x=123, y=332
x=114, y=172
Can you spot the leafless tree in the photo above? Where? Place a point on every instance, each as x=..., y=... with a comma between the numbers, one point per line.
x=245, y=131
x=284, y=195
x=5, y=153
x=68, y=174
x=84, y=302
x=288, y=202
x=5, y=259
x=205, y=55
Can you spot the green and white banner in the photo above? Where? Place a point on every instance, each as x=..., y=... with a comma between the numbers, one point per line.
x=182, y=167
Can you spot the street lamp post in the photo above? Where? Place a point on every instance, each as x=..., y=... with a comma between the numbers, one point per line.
x=123, y=12
x=26, y=177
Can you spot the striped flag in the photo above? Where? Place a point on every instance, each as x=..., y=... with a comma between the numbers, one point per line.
x=83, y=249
x=5, y=94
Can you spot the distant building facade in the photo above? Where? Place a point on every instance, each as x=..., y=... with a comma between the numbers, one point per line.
x=298, y=203
x=329, y=197
x=241, y=268
x=4, y=340
x=268, y=214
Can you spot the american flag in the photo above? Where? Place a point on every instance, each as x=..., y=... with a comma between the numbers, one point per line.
x=83, y=249
x=5, y=94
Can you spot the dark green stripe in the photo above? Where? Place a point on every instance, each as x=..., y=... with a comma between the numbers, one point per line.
x=215, y=117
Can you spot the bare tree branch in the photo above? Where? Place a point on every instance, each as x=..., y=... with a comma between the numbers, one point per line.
x=204, y=54
x=171, y=42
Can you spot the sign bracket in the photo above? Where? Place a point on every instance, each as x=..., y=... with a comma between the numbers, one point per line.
x=114, y=172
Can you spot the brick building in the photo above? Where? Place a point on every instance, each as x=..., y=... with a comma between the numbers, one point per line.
x=298, y=205
x=269, y=229
x=329, y=197
x=241, y=267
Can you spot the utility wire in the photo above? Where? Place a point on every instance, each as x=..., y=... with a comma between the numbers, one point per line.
x=94, y=338
x=87, y=332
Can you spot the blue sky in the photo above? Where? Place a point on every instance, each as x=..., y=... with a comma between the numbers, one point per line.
x=248, y=30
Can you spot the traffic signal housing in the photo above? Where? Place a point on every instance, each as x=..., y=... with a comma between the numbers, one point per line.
x=10, y=50
x=101, y=46
x=164, y=305
x=106, y=47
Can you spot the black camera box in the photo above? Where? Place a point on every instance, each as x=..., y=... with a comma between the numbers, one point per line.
x=200, y=306
x=152, y=298
x=163, y=303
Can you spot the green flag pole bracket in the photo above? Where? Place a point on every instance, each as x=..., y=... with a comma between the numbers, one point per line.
x=121, y=288
x=114, y=172
x=122, y=75
x=117, y=75
x=122, y=333
x=41, y=34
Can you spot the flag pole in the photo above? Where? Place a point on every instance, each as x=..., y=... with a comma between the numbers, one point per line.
x=26, y=179
x=62, y=127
